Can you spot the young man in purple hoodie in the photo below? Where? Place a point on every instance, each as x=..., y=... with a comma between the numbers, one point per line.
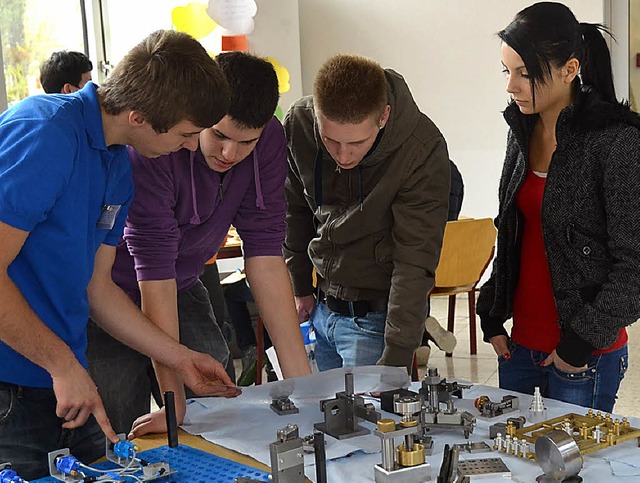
x=183, y=206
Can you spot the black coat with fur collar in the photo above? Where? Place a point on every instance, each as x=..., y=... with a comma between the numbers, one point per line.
x=591, y=225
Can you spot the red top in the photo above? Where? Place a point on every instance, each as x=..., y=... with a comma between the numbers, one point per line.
x=535, y=317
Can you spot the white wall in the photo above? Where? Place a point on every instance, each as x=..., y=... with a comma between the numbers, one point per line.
x=277, y=35
x=450, y=56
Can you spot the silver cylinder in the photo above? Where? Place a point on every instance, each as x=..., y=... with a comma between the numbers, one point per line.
x=388, y=454
x=558, y=455
x=408, y=442
x=348, y=383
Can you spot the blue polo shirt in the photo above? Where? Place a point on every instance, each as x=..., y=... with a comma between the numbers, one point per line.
x=59, y=182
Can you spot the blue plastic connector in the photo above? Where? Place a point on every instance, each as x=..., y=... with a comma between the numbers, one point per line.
x=124, y=449
x=68, y=465
x=10, y=476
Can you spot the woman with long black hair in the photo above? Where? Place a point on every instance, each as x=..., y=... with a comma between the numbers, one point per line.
x=567, y=267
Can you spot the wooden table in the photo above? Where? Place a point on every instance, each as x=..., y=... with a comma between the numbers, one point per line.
x=232, y=247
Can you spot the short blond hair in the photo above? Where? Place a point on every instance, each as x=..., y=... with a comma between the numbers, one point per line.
x=350, y=89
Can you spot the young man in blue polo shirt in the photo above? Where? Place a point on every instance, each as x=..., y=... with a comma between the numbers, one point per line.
x=65, y=186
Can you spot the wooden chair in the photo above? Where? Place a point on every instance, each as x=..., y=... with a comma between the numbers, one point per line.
x=467, y=250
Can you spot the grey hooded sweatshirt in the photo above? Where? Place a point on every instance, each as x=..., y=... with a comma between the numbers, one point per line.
x=374, y=231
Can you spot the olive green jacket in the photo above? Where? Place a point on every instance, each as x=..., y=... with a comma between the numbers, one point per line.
x=374, y=231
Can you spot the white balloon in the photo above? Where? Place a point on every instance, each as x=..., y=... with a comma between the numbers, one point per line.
x=236, y=16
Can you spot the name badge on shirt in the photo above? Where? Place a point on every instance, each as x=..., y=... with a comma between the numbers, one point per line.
x=108, y=217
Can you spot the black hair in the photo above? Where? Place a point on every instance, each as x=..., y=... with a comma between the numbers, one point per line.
x=63, y=67
x=253, y=85
x=547, y=34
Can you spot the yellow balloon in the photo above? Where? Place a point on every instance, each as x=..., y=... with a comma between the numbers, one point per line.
x=193, y=19
x=282, y=73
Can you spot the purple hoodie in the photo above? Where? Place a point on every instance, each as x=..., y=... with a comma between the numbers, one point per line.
x=182, y=210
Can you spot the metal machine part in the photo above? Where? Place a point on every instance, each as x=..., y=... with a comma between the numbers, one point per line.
x=489, y=409
x=308, y=443
x=473, y=447
x=65, y=467
x=7, y=474
x=408, y=401
x=287, y=459
x=537, y=410
x=501, y=428
x=283, y=405
x=53, y=469
x=388, y=397
x=406, y=462
x=449, y=466
x=558, y=455
x=171, y=419
x=438, y=390
x=486, y=467
x=426, y=442
x=118, y=458
x=435, y=391
x=320, y=456
x=341, y=415
x=592, y=432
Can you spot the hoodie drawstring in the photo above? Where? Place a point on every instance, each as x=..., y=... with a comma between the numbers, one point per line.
x=195, y=218
x=256, y=179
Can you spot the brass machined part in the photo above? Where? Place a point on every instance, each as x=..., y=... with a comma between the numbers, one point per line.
x=481, y=401
x=386, y=425
x=511, y=429
x=408, y=424
x=405, y=457
x=584, y=431
x=613, y=432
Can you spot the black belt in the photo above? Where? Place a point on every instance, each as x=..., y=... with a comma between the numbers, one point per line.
x=355, y=308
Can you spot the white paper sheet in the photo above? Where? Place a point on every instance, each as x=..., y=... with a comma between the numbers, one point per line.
x=247, y=424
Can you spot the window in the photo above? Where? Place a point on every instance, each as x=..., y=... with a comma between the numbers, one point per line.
x=30, y=30
x=127, y=23
x=634, y=54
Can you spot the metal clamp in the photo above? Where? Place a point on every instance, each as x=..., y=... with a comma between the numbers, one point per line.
x=341, y=414
x=287, y=459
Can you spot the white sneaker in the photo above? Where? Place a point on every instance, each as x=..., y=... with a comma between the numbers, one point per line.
x=444, y=339
x=422, y=355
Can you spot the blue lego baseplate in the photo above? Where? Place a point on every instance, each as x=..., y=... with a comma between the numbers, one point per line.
x=192, y=466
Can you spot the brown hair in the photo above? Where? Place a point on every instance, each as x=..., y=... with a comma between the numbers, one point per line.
x=169, y=78
x=350, y=88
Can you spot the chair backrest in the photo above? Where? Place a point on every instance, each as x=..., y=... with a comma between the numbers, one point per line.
x=467, y=249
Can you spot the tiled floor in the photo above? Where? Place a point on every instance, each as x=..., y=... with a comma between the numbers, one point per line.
x=482, y=368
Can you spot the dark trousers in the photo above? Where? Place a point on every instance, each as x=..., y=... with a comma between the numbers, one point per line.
x=125, y=378
x=237, y=297
x=30, y=429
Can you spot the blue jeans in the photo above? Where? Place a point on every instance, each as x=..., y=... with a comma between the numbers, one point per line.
x=595, y=387
x=126, y=379
x=30, y=429
x=343, y=341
